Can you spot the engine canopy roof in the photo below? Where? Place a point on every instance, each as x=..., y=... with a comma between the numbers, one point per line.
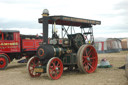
x=71, y=21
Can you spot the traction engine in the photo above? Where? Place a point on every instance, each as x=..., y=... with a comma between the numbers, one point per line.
x=75, y=51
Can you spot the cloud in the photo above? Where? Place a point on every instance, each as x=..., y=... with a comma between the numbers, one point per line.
x=123, y=5
x=25, y=13
x=18, y=1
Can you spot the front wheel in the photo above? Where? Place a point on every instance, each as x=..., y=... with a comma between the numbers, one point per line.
x=3, y=62
x=54, y=68
x=32, y=63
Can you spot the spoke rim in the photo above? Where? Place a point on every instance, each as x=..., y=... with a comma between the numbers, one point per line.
x=88, y=59
x=32, y=64
x=55, y=68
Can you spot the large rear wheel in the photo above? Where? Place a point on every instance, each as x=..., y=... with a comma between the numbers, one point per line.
x=32, y=63
x=78, y=59
x=87, y=59
x=54, y=68
x=3, y=62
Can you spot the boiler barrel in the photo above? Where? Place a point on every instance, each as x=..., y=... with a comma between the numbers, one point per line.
x=49, y=51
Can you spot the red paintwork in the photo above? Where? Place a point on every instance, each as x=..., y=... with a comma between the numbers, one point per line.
x=30, y=44
x=90, y=59
x=102, y=45
x=15, y=45
x=10, y=46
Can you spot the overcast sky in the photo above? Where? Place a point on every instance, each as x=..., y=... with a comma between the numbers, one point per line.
x=23, y=14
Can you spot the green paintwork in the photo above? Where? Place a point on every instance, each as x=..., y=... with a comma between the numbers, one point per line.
x=69, y=59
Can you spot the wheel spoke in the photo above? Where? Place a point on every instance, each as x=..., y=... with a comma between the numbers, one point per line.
x=51, y=70
x=85, y=61
x=33, y=62
x=32, y=71
x=92, y=58
x=51, y=67
x=58, y=64
x=90, y=65
x=86, y=53
x=56, y=73
x=53, y=64
x=86, y=67
x=89, y=52
x=38, y=62
x=84, y=56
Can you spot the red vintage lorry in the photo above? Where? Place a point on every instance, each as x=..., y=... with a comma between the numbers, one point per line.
x=14, y=45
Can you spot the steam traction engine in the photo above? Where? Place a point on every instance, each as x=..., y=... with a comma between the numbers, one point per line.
x=73, y=51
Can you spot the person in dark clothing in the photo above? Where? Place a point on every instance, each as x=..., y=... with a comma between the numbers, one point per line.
x=8, y=37
x=55, y=35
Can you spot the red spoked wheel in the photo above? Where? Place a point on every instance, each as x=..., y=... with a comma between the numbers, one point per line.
x=54, y=68
x=87, y=59
x=3, y=62
x=32, y=63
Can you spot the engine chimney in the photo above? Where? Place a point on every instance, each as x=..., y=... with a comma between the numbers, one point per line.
x=45, y=16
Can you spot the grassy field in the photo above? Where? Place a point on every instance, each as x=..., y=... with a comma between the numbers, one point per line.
x=16, y=74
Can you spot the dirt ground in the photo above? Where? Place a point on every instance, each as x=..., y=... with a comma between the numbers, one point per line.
x=16, y=74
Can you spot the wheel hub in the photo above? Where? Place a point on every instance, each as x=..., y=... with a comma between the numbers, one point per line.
x=88, y=58
x=1, y=62
x=56, y=68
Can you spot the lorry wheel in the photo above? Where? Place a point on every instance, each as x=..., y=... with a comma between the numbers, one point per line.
x=87, y=59
x=32, y=63
x=3, y=62
x=54, y=68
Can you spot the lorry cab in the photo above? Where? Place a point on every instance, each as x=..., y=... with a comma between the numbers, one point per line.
x=13, y=45
x=9, y=41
